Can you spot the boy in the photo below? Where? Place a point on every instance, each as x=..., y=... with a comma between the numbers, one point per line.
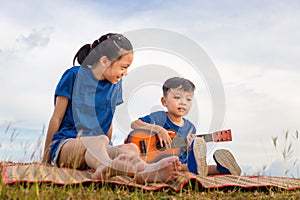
x=177, y=98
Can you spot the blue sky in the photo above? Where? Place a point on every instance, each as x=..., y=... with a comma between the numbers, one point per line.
x=254, y=45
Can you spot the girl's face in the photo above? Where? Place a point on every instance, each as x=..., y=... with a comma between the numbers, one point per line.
x=118, y=69
x=178, y=102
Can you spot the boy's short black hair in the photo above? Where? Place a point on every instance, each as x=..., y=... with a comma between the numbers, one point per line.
x=177, y=82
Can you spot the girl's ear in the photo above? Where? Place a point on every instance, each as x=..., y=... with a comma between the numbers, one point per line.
x=104, y=61
x=163, y=101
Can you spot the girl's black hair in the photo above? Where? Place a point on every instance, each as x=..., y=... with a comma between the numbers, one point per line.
x=111, y=45
x=177, y=82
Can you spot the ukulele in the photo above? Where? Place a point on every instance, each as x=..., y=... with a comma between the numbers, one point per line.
x=151, y=150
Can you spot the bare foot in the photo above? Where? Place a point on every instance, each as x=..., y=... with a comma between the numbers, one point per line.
x=164, y=170
x=124, y=164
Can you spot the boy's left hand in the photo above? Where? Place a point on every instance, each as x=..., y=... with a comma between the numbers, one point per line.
x=164, y=138
x=190, y=138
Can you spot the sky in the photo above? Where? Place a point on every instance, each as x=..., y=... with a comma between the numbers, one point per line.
x=254, y=45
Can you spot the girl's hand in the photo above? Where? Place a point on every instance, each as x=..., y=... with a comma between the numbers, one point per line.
x=164, y=138
x=47, y=158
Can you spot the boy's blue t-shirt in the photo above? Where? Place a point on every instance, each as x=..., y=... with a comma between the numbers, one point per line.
x=161, y=118
x=91, y=106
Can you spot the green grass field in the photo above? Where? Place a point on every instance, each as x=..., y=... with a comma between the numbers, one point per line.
x=111, y=191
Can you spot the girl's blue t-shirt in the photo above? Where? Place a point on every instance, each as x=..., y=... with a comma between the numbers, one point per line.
x=91, y=106
x=161, y=118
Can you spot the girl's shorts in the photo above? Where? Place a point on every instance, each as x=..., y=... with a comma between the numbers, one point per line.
x=56, y=152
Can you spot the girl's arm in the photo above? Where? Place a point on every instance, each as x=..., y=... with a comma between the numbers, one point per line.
x=55, y=121
x=163, y=134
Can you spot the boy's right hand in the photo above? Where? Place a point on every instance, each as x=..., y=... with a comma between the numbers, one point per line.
x=164, y=138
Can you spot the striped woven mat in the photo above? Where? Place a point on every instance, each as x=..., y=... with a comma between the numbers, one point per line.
x=12, y=173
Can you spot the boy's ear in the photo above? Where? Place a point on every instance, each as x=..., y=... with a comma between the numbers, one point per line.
x=163, y=101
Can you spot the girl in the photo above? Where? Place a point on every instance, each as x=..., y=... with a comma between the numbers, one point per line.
x=80, y=128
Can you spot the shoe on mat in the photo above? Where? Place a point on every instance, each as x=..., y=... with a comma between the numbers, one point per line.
x=226, y=163
x=196, y=161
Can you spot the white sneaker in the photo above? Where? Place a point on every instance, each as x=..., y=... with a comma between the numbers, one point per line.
x=226, y=163
x=199, y=150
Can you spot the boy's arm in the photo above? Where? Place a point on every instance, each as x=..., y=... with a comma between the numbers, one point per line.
x=139, y=124
x=163, y=134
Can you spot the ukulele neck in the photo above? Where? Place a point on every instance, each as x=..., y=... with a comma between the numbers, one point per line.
x=178, y=142
x=207, y=137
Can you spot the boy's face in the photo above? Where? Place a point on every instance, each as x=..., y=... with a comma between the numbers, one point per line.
x=178, y=102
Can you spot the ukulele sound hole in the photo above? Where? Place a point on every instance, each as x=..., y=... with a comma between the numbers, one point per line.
x=143, y=147
x=159, y=147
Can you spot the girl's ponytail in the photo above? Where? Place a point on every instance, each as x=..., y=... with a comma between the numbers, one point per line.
x=111, y=45
x=82, y=54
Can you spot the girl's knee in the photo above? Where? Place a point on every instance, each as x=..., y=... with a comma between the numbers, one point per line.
x=126, y=148
x=98, y=139
x=103, y=138
x=133, y=147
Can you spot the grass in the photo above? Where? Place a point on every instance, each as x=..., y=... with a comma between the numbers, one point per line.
x=110, y=191
x=288, y=151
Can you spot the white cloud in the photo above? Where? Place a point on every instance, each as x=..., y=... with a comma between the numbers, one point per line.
x=37, y=38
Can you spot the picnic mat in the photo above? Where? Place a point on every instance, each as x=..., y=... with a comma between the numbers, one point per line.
x=12, y=173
